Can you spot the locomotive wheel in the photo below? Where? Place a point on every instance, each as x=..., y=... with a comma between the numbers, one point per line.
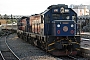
x=21, y=36
x=39, y=44
x=26, y=38
x=18, y=35
x=35, y=42
x=29, y=39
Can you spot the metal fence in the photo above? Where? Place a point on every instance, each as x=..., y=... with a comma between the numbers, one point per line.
x=84, y=23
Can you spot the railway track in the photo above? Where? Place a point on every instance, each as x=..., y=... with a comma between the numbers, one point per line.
x=1, y=56
x=69, y=57
x=77, y=57
x=6, y=52
x=35, y=53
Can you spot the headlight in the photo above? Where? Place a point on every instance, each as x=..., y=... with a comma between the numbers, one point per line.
x=65, y=28
x=62, y=10
x=67, y=17
x=66, y=10
x=72, y=25
x=58, y=25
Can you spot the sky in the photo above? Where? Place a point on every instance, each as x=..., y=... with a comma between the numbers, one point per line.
x=28, y=7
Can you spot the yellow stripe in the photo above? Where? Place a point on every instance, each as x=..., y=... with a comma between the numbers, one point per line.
x=62, y=39
x=65, y=44
x=58, y=40
x=51, y=49
x=77, y=49
x=73, y=42
x=77, y=43
x=51, y=44
x=54, y=43
x=70, y=40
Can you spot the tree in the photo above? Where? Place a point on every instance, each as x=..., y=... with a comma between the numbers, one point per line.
x=0, y=16
x=5, y=16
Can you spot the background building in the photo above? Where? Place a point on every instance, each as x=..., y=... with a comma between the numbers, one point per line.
x=81, y=9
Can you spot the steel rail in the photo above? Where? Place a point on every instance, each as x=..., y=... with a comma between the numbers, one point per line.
x=10, y=48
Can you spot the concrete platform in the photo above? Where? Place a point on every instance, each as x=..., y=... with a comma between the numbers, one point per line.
x=85, y=52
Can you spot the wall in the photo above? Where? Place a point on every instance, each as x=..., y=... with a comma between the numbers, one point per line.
x=3, y=21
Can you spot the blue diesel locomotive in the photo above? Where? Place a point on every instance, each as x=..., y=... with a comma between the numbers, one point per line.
x=54, y=30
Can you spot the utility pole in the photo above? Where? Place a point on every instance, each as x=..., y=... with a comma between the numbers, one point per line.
x=12, y=21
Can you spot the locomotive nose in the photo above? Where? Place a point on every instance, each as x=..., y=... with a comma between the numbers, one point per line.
x=62, y=44
x=65, y=44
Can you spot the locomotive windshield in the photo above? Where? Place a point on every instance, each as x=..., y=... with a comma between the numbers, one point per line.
x=60, y=16
x=56, y=16
x=65, y=16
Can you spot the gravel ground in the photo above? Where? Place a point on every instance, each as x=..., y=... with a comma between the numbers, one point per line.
x=25, y=51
